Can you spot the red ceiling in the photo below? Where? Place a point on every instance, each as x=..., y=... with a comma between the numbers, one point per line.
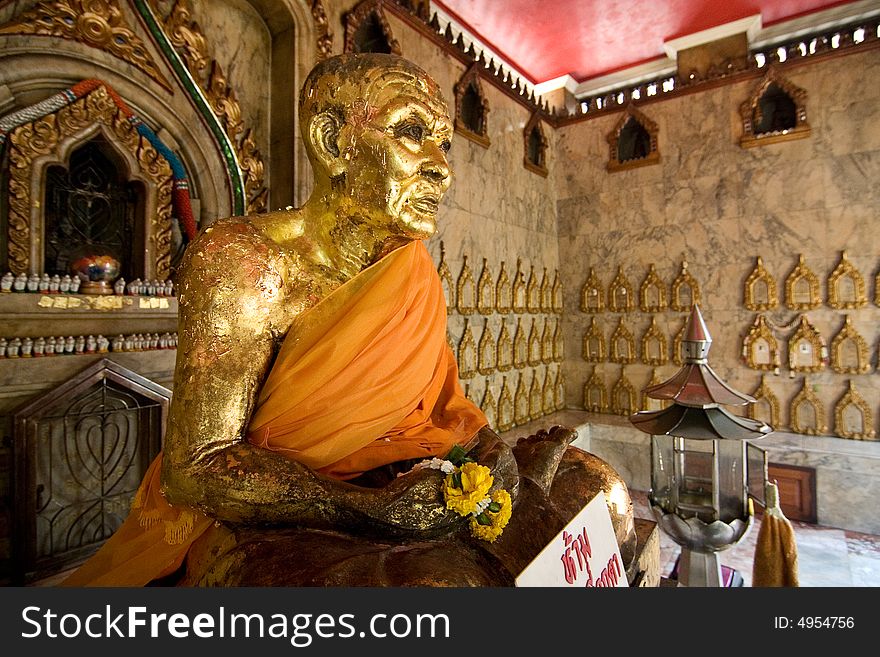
x=588, y=38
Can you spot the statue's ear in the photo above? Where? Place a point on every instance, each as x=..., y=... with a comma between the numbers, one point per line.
x=324, y=134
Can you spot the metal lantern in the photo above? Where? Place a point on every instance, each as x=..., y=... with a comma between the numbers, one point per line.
x=701, y=475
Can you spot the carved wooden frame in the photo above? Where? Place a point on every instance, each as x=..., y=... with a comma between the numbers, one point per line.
x=539, y=167
x=759, y=329
x=806, y=332
x=503, y=292
x=853, y=398
x=848, y=332
x=845, y=269
x=593, y=294
x=613, y=139
x=802, y=271
x=623, y=386
x=504, y=349
x=652, y=280
x=621, y=333
x=446, y=281
x=465, y=290
x=806, y=395
x=595, y=384
x=363, y=11
x=486, y=290
x=50, y=140
x=467, y=353
x=592, y=333
x=654, y=333
x=486, y=350
x=684, y=278
x=621, y=286
x=760, y=275
x=471, y=78
x=748, y=107
x=763, y=392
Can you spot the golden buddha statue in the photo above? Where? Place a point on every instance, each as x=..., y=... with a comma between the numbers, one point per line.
x=313, y=373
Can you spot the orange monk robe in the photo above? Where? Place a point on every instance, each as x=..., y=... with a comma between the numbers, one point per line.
x=369, y=360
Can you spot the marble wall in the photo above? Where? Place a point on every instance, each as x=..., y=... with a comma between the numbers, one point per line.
x=718, y=206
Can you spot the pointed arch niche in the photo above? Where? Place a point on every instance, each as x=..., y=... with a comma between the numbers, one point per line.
x=367, y=30
x=535, y=145
x=633, y=142
x=472, y=107
x=775, y=112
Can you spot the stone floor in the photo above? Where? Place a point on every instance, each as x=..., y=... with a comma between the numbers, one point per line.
x=826, y=556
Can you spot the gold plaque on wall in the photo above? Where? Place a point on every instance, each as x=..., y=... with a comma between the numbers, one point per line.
x=620, y=293
x=652, y=292
x=760, y=289
x=802, y=287
x=548, y=393
x=534, y=345
x=486, y=291
x=465, y=290
x=559, y=386
x=594, y=344
x=519, y=289
x=622, y=346
x=595, y=394
x=467, y=353
x=649, y=403
x=504, y=350
x=505, y=407
x=853, y=417
x=446, y=281
x=592, y=294
x=760, y=348
x=536, y=400
x=846, y=287
x=623, y=396
x=764, y=396
x=685, y=290
x=556, y=293
x=849, y=350
x=546, y=293
x=489, y=406
x=533, y=292
x=503, y=300
x=806, y=348
x=677, y=356
x=558, y=342
x=521, y=402
x=807, y=413
x=654, y=346
x=520, y=346
x=486, y=351
x=546, y=343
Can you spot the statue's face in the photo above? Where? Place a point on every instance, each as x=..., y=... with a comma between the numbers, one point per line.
x=395, y=143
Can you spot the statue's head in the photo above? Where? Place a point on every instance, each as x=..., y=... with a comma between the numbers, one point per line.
x=377, y=131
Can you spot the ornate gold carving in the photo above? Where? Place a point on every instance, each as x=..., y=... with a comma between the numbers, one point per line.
x=489, y=406
x=814, y=425
x=594, y=343
x=685, y=290
x=595, y=394
x=622, y=345
x=519, y=289
x=849, y=350
x=546, y=343
x=846, y=287
x=478, y=133
x=592, y=294
x=369, y=10
x=559, y=387
x=44, y=137
x=648, y=403
x=760, y=348
x=467, y=353
x=533, y=292
x=504, y=350
x=100, y=24
x=623, y=396
x=487, y=346
x=546, y=293
x=503, y=301
x=505, y=407
x=677, y=356
x=556, y=293
x=535, y=146
x=760, y=289
x=536, y=402
x=806, y=348
x=654, y=347
x=465, y=290
x=188, y=39
x=798, y=297
x=652, y=292
x=486, y=291
x=620, y=293
x=651, y=156
x=548, y=393
x=534, y=346
x=521, y=402
x=842, y=414
x=750, y=112
x=764, y=394
x=446, y=281
x=558, y=342
x=520, y=346
x=324, y=42
x=449, y=341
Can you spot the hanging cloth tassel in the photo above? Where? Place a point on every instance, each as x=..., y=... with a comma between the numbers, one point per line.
x=776, y=550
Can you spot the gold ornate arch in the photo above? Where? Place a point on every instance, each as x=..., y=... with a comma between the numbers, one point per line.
x=33, y=145
x=613, y=139
x=364, y=11
x=471, y=78
x=748, y=108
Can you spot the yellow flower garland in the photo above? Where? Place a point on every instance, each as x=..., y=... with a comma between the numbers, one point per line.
x=466, y=491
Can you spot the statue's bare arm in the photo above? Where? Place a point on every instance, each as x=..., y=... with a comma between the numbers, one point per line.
x=231, y=295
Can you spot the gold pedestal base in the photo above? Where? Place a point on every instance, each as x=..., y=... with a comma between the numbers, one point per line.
x=95, y=287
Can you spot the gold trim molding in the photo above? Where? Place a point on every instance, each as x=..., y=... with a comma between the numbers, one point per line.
x=620, y=293
x=520, y=346
x=504, y=349
x=592, y=294
x=758, y=332
x=486, y=290
x=33, y=143
x=807, y=396
x=594, y=343
x=806, y=342
x=802, y=272
x=595, y=394
x=100, y=24
x=654, y=335
x=623, y=396
x=760, y=276
x=503, y=300
x=846, y=270
x=622, y=335
x=657, y=302
x=465, y=290
x=684, y=281
x=534, y=345
x=853, y=398
x=848, y=333
x=486, y=350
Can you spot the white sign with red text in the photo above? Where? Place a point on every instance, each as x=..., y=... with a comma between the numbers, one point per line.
x=584, y=553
